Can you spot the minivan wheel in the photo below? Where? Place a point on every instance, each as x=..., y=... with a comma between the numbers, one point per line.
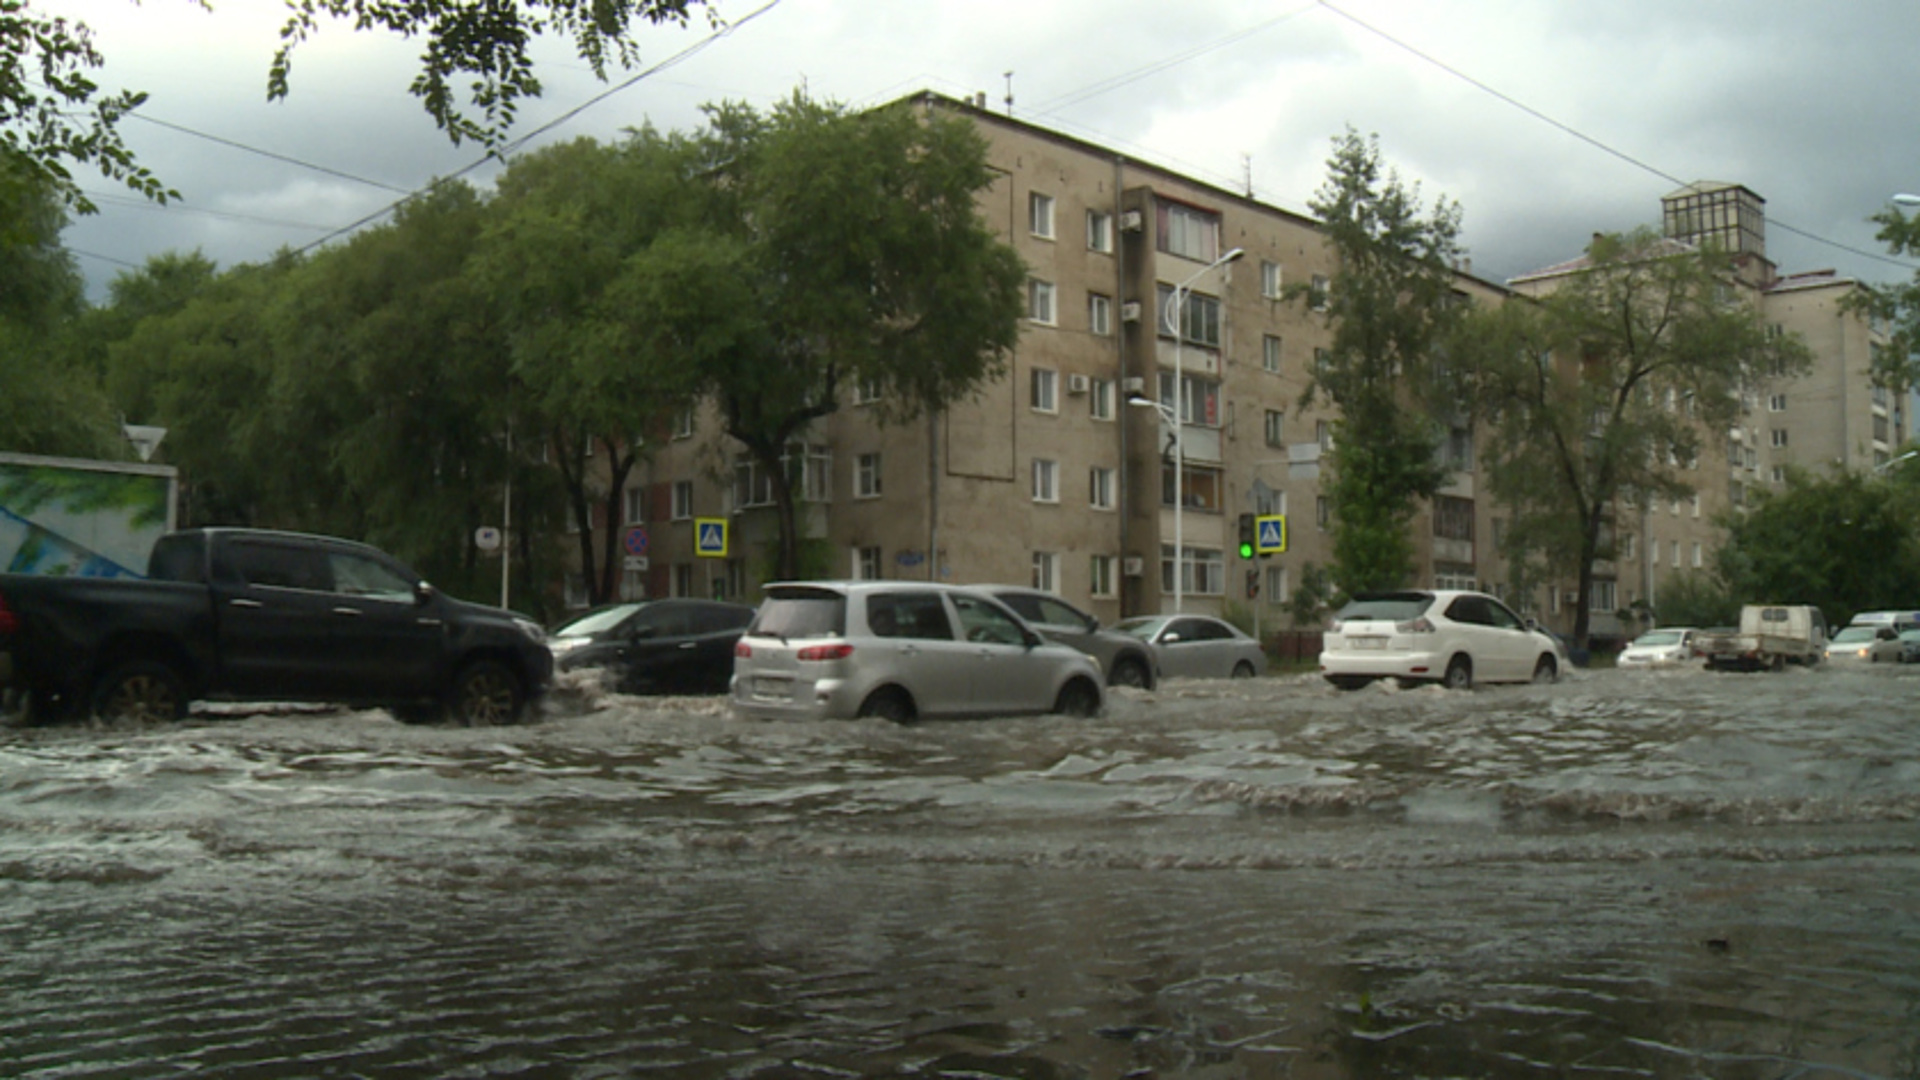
x=1460, y=674
x=141, y=692
x=1078, y=698
x=887, y=703
x=1130, y=672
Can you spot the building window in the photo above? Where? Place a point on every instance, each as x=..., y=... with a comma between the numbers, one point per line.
x=1270, y=353
x=1044, y=390
x=1199, y=319
x=1046, y=480
x=1323, y=434
x=866, y=476
x=1777, y=403
x=683, y=579
x=1779, y=474
x=1200, y=486
x=1696, y=555
x=1040, y=215
x=865, y=392
x=683, y=424
x=1046, y=571
x=1319, y=293
x=1452, y=518
x=1100, y=399
x=1653, y=552
x=1676, y=554
x=1457, y=453
x=1202, y=399
x=682, y=500
x=1099, y=314
x=1040, y=301
x=866, y=564
x=1100, y=575
x=1276, y=428
x=1203, y=571
x=635, y=499
x=1099, y=231
x=1270, y=280
x=1603, y=598
x=1627, y=548
x=1187, y=232
x=1100, y=488
x=1322, y=513
x=1277, y=585
x=1779, y=437
x=1321, y=359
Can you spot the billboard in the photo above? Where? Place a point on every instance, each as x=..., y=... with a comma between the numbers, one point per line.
x=71, y=518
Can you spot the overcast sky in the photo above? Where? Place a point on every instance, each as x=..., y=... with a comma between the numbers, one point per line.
x=1546, y=121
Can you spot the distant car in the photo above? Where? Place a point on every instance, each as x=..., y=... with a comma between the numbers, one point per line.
x=1197, y=646
x=1865, y=644
x=1126, y=659
x=1661, y=646
x=901, y=651
x=655, y=645
x=1448, y=636
x=1910, y=646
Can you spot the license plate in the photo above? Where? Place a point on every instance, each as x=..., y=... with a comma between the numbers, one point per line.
x=1368, y=642
x=772, y=689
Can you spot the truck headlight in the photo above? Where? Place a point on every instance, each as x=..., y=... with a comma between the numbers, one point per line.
x=532, y=629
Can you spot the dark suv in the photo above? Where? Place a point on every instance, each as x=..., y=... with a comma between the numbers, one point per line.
x=1123, y=658
x=661, y=645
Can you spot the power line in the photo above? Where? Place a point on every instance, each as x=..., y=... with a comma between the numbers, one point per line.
x=183, y=129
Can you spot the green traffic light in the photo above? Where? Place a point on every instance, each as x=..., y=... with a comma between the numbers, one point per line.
x=1246, y=550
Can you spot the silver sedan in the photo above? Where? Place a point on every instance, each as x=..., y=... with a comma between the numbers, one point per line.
x=1197, y=646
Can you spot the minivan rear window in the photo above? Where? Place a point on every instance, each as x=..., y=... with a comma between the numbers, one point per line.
x=801, y=613
x=1387, y=607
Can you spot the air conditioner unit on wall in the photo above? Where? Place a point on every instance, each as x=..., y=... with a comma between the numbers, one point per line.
x=1078, y=384
x=1130, y=311
x=1134, y=384
x=1131, y=221
x=1133, y=566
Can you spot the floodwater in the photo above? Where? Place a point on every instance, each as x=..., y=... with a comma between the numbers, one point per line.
x=1665, y=874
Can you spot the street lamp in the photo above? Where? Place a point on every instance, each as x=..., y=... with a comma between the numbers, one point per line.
x=1176, y=304
x=1891, y=462
x=1904, y=199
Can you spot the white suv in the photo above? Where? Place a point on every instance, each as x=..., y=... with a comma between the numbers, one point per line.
x=901, y=650
x=1436, y=635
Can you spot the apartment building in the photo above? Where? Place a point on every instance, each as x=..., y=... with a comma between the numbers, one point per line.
x=1830, y=418
x=1050, y=476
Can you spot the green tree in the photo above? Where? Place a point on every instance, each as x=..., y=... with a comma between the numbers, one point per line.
x=830, y=250
x=1390, y=307
x=1848, y=543
x=1695, y=599
x=53, y=115
x=1603, y=390
x=1896, y=364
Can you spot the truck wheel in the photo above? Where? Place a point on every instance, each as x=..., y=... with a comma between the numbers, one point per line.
x=486, y=693
x=140, y=692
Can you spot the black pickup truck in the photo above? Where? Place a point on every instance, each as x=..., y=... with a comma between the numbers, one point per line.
x=253, y=615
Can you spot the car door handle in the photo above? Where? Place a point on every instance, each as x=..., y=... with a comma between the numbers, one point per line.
x=242, y=602
x=687, y=644
x=355, y=612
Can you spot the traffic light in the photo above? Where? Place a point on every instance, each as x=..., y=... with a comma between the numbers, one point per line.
x=1253, y=584
x=1246, y=536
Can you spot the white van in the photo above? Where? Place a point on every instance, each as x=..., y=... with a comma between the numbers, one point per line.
x=1896, y=620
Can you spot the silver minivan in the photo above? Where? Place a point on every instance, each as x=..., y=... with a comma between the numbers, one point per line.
x=901, y=650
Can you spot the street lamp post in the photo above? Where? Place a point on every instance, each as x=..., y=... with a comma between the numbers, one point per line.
x=1176, y=304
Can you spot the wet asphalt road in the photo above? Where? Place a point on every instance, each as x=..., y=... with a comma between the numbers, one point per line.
x=1670, y=874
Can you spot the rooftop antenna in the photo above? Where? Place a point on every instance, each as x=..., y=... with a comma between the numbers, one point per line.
x=1246, y=170
x=1009, y=76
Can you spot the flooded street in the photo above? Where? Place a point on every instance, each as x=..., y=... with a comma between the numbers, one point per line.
x=1668, y=874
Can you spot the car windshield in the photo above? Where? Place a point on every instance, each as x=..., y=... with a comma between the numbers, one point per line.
x=1656, y=638
x=594, y=622
x=1852, y=634
x=801, y=613
x=1387, y=607
x=1910, y=635
x=1143, y=627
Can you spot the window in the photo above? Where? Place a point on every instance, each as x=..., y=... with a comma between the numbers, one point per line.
x=1100, y=575
x=1627, y=548
x=1276, y=428
x=682, y=500
x=1270, y=280
x=865, y=392
x=1040, y=215
x=1099, y=231
x=1777, y=403
x=1457, y=453
x=866, y=476
x=1040, y=301
x=1779, y=474
x=809, y=469
x=1100, y=399
x=1696, y=555
x=1202, y=399
x=1203, y=571
x=1276, y=585
x=1779, y=437
x=1602, y=597
x=1676, y=553
x=635, y=499
x=1270, y=353
x=1100, y=488
x=1099, y=314
x=1321, y=359
x=1200, y=486
x=683, y=424
x=683, y=579
x=1319, y=294
x=1046, y=480
x=1199, y=317
x=866, y=564
x=1187, y=232
x=1044, y=395
x=1322, y=513
x=1696, y=504
x=1046, y=571
x=1323, y=434
x=917, y=615
x=1653, y=552
x=1452, y=518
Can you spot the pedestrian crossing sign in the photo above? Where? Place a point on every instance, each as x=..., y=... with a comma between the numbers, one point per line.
x=710, y=538
x=1270, y=534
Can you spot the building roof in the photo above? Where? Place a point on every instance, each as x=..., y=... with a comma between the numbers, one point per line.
x=1663, y=247
x=1810, y=279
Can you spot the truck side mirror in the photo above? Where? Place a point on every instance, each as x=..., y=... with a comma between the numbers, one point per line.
x=422, y=592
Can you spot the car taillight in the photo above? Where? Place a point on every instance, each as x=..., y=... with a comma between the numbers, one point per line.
x=9, y=622
x=1415, y=626
x=825, y=652
x=742, y=651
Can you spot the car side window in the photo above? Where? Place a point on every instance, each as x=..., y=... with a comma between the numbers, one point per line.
x=1470, y=610
x=280, y=566
x=985, y=621
x=1502, y=618
x=908, y=615
x=1186, y=630
x=1055, y=613
x=357, y=575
